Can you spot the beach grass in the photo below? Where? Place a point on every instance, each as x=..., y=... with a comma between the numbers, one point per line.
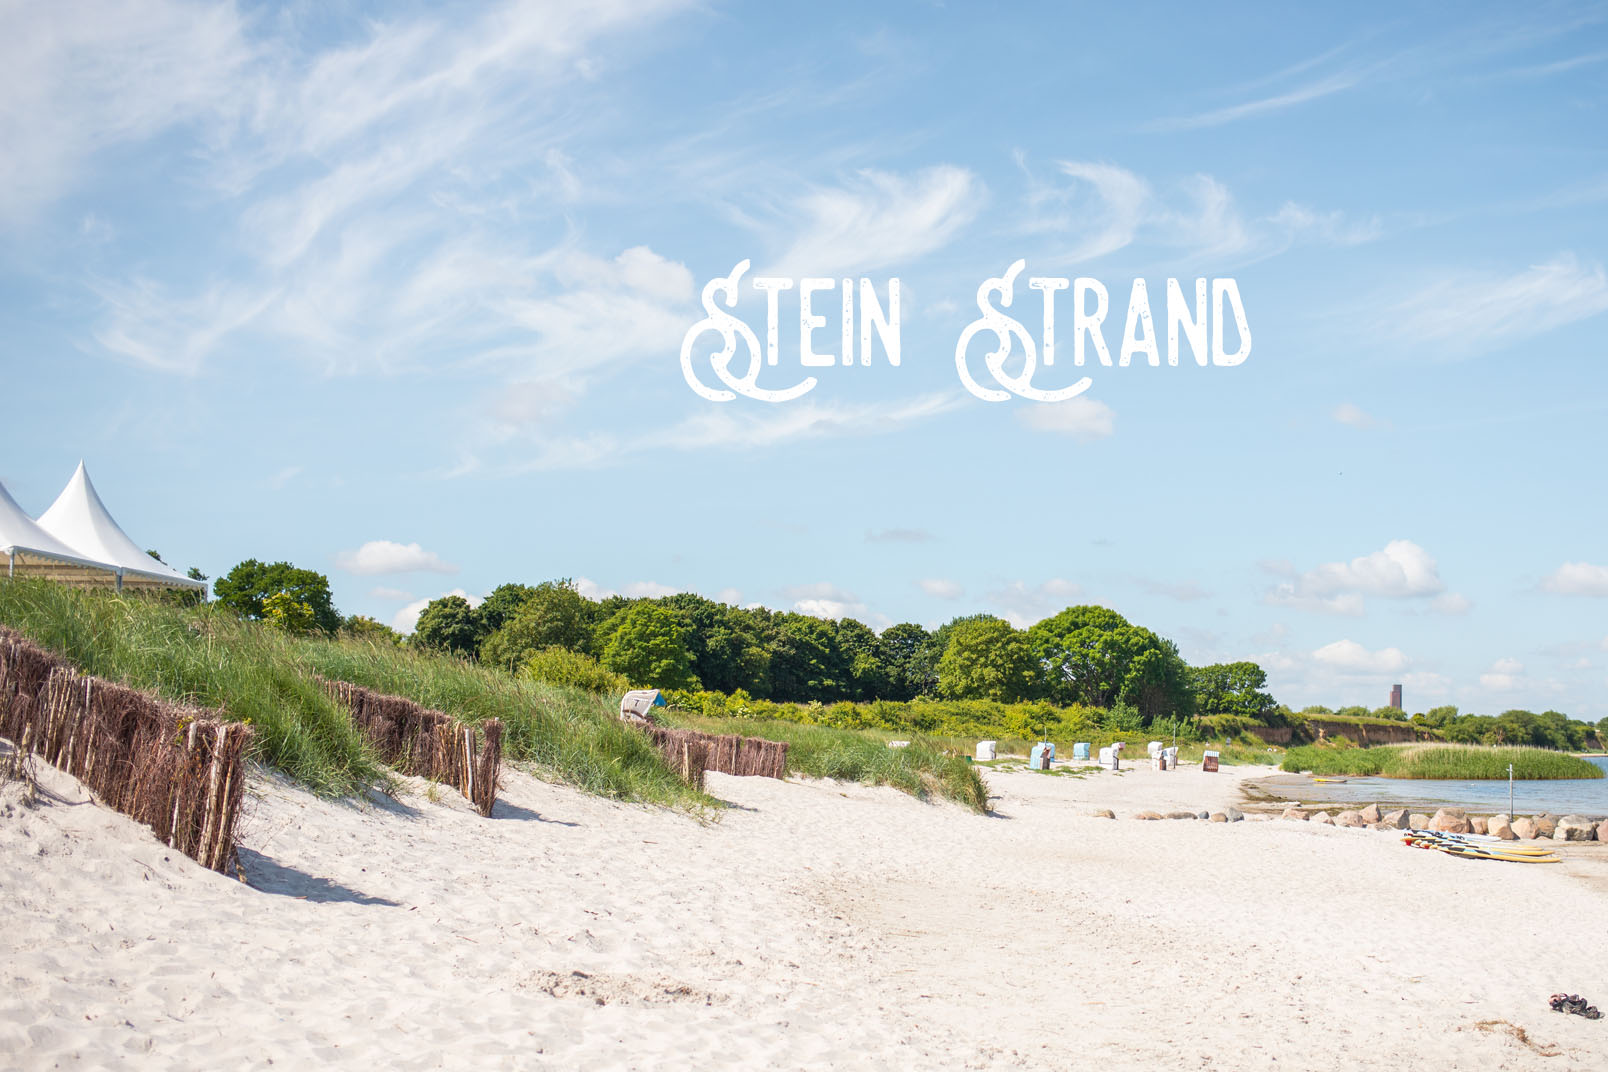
x=1460, y=762
x=208, y=657
x=923, y=769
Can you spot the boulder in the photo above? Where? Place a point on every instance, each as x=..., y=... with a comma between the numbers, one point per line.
x=1146, y=815
x=1293, y=812
x=1180, y=815
x=1396, y=820
x=1479, y=823
x=1417, y=821
x=1371, y=814
x=1383, y=826
x=1500, y=826
x=1235, y=816
x=1203, y=815
x=1217, y=817
x=1602, y=831
x=1574, y=828
x=1450, y=821
x=1350, y=818
x=1545, y=825
x=1324, y=818
x=1523, y=829
x=1103, y=813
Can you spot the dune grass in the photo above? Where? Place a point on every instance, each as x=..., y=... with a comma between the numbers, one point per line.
x=206, y=656
x=921, y=770
x=1461, y=762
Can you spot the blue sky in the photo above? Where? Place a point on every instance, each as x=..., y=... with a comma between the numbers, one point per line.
x=398, y=293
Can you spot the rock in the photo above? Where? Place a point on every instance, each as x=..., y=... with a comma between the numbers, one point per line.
x=1371, y=814
x=1293, y=812
x=1602, y=831
x=1450, y=821
x=1523, y=829
x=1397, y=819
x=1203, y=815
x=1545, y=825
x=1350, y=818
x=1180, y=815
x=1574, y=828
x=1383, y=826
x=1480, y=824
x=1235, y=816
x=1323, y=818
x=1146, y=815
x=1417, y=821
x=1500, y=826
x=1217, y=817
x=1103, y=813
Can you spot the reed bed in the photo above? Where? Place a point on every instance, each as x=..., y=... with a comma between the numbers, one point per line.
x=430, y=744
x=1460, y=762
x=173, y=768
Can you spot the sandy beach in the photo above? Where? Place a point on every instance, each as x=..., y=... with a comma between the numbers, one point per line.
x=814, y=925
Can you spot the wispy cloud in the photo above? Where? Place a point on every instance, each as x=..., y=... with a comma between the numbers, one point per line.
x=1348, y=413
x=941, y=588
x=1082, y=419
x=879, y=220
x=1470, y=313
x=1277, y=102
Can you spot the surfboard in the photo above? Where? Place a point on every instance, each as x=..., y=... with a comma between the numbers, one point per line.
x=1426, y=839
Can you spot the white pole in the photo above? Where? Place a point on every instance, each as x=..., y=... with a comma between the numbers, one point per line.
x=1510, y=792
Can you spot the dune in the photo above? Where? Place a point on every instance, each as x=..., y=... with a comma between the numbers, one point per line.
x=814, y=925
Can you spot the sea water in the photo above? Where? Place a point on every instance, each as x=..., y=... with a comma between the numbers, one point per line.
x=1582, y=796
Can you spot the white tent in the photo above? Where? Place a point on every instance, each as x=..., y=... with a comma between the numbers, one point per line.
x=80, y=520
x=30, y=551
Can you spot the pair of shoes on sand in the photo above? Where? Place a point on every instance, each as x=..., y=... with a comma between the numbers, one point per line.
x=1576, y=1004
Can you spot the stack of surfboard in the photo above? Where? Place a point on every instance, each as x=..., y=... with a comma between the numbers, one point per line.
x=1480, y=847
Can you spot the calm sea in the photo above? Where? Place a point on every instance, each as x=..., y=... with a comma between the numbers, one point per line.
x=1585, y=796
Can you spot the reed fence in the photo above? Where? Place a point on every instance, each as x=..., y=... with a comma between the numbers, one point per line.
x=691, y=753
x=430, y=744
x=176, y=769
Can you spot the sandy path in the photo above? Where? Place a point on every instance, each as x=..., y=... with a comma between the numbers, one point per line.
x=814, y=926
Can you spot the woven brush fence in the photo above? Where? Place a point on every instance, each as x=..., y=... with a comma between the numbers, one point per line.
x=692, y=753
x=429, y=744
x=176, y=769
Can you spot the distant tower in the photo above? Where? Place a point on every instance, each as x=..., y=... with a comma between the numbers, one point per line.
x=1395, y=697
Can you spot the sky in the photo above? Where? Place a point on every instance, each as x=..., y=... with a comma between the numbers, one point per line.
x=398, y=293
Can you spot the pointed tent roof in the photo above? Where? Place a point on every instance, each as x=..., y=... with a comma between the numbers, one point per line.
x=21, y=534
x=80, y=520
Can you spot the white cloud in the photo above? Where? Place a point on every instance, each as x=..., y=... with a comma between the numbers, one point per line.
x=407, y=619
x=590, y=589
x=1578, y=579
x=1469, y=313
x=717, y=427
x=1402, y=570
x=388, y=556
x=383, y=592
x=880, y=220
x=1083, y=419
x=941, y=588
x=1347, y=656
x=1505, y=675
x=1347, y=413
x=1277, y=102
x=1022, y=604
x=649, y=590
x=284, y=476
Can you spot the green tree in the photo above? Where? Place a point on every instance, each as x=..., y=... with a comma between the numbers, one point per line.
x=986, y=659
x=726, y=644
x=1232, y=689
x=449, y=625
x=1095, y=656
x=806, y=662
x=284, y=611
x=911, y=655
x=869, y=677
x=503, y=603
x=649, y=646
x=246, y=588
x=551, y=615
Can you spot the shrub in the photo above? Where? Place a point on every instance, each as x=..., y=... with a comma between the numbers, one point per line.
x=571, y=669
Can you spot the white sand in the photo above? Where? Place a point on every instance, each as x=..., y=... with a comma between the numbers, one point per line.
x=814, y=926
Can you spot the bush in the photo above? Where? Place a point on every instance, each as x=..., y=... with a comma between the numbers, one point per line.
x=571, y=669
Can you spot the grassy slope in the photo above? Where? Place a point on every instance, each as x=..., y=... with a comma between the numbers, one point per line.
x=858, y=756
x=205, y=656
x=1466, y=762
